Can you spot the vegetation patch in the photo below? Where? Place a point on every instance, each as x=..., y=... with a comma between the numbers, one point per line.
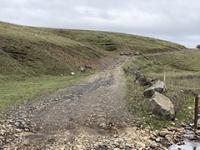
x=29, y=51
x=14, y=92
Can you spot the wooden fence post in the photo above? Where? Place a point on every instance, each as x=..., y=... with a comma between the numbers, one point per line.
x=196, y=111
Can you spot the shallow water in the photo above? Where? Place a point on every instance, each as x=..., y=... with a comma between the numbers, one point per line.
x=187, y=146
x=188, y=143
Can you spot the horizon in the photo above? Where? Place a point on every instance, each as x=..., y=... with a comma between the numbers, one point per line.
x=158, y=38
x=176, y=21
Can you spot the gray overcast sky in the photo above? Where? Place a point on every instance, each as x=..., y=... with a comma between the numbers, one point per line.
x=174, y=20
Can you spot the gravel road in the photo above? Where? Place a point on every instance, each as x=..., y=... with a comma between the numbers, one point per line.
x=91, y=115
x=94, y=107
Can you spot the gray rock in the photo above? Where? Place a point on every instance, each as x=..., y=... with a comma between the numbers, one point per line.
x=82, y=69
x=158, y=86
x=125, y=53
x=102, y=147
x=137, y=53
x=162, y=106
x=88, y=67
x=163, y=133
x=103, y=125
x=72, y=73
x=153, y=145
x=158, y=139
x=20, y=124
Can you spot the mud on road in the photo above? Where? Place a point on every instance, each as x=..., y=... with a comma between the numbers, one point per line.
x=86, y=116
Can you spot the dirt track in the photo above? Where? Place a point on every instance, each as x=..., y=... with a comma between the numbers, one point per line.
x=86, y=116
x=68, y=117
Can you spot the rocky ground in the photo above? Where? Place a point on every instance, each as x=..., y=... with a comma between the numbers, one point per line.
x=84, y=138
x=86, y=116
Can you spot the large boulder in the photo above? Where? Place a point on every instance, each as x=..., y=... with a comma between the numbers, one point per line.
x=158, y=86
x=162, y=106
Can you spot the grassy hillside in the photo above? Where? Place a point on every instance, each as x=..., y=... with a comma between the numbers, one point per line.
x=182, y=76
x=27, y=51
x=35, y=60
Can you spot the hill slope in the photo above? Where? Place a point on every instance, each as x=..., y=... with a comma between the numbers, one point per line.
x=182, y=74
x=28, y=51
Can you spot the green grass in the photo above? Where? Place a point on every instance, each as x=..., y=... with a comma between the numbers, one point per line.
x=17, y=92
x=30, y=51
x=182, y=74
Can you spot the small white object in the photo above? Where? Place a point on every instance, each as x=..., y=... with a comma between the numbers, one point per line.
x=72, y=73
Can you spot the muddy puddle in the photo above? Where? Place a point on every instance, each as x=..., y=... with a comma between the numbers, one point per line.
x=188, y=145
x=191, y=142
